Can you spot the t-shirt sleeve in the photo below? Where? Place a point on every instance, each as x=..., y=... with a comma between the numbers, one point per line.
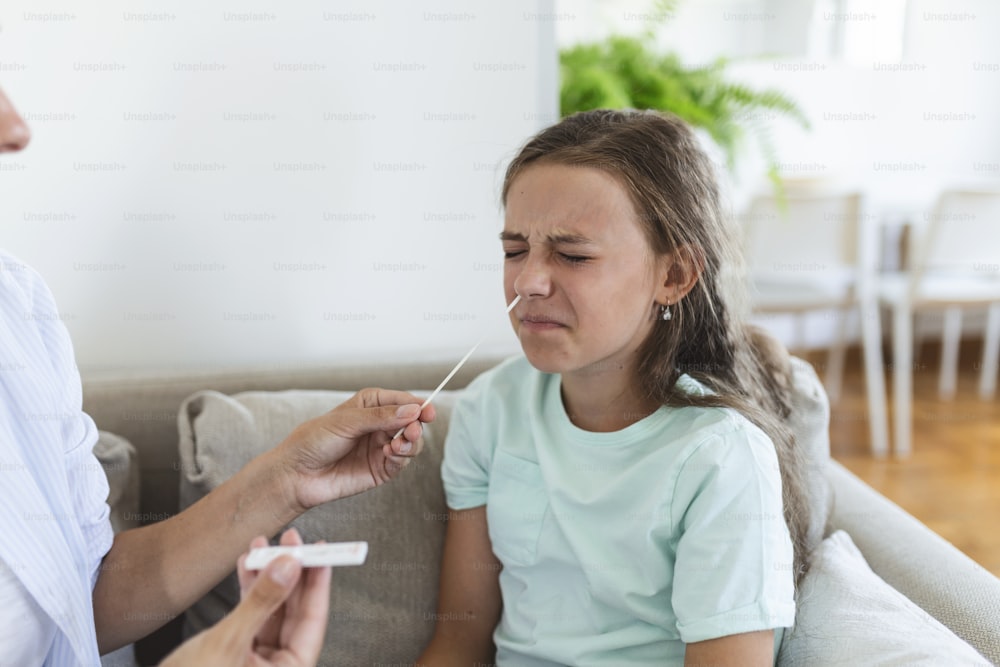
x=733, y=570
x=467, y=451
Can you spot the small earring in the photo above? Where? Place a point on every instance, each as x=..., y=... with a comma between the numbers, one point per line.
x=665, y=313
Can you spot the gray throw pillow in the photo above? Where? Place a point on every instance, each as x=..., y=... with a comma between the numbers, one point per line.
x=120, y=462
x=381, y=612
x=810, y=422
x=849, y=616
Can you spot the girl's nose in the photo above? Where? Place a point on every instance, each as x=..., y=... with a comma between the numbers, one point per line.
x=14, y=132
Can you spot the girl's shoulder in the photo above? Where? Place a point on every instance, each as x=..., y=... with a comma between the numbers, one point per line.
x=717, y=439
x=715, y=432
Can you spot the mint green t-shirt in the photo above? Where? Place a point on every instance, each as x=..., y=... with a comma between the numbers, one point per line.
x=619, y=548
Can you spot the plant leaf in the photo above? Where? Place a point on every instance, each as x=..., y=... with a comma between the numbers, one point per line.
x=625, y=71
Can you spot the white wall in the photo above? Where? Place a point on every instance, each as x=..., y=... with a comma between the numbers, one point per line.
x=217, y=183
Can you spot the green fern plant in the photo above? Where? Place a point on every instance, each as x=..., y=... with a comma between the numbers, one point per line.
x=628, y=72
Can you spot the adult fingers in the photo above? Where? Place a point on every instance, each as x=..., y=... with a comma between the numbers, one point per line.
x=308, y=615
x=261, y=600
x=374, y=397
x=270, y=633
x=291, y=537
x=247, y=577
x=409, y=444
x=352, y=422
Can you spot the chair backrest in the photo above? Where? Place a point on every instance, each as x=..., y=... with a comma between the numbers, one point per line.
x=961, y=236
x=809, y=231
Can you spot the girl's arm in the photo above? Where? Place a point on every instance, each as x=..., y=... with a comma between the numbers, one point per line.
x=749, y=649
x=469, y=604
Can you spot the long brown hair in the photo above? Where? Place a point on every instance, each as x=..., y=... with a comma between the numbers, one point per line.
x=672, y=185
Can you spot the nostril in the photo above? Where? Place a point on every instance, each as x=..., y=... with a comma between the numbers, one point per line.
x=16, y=138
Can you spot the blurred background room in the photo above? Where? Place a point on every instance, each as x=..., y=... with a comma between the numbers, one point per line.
x=219, y=184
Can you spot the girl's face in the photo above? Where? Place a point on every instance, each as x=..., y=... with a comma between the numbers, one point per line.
x=576, y=254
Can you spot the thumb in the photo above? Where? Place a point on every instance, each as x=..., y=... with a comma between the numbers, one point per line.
x=358, y=421
x=266, y=594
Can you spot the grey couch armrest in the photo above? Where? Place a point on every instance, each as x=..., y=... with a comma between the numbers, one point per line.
x=917, y=562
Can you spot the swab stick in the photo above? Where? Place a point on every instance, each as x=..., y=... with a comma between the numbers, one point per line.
x=455, y=369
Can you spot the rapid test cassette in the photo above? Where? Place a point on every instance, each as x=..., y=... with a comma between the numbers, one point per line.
x=335, y=554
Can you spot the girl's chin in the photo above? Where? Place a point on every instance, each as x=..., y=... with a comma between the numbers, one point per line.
x=559, y=359
x=545, y=361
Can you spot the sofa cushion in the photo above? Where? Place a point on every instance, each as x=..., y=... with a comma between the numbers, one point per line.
x=382, y=611
x=848, y=615
x=810, y=422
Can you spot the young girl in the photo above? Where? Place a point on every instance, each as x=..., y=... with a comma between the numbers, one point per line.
x=615, y=495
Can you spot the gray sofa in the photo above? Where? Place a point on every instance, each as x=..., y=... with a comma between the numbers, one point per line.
x=146, y=409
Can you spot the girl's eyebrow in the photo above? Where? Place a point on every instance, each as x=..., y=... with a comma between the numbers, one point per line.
x=552, y=239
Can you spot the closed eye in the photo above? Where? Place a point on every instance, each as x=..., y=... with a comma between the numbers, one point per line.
x=574, y=259
x=511, y=254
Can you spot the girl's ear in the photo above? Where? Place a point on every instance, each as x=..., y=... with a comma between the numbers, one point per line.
x=680, y=271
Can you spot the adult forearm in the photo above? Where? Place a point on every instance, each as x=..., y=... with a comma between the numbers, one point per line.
x=154, y=573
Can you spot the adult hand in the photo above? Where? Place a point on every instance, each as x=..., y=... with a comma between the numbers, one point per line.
x=280, y=621
x=351, y=448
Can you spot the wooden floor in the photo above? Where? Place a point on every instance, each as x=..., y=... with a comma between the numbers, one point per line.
x=951, y=481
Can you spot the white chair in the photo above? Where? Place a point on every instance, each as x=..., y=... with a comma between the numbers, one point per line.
x=809, y=252
x=954, y=263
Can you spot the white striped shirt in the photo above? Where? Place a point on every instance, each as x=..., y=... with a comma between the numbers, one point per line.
x=53, y=510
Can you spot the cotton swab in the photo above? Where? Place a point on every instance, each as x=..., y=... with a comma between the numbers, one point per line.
x=455, y=369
